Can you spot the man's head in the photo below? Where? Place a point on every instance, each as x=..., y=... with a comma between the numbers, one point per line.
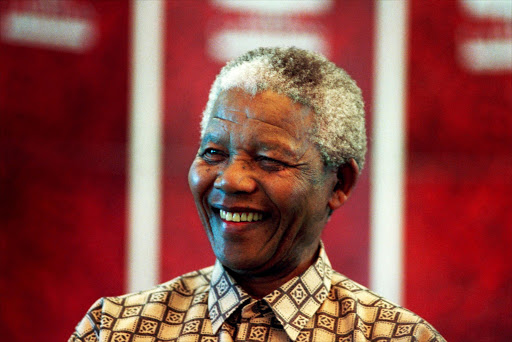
x=266, y=176
x=309, y=79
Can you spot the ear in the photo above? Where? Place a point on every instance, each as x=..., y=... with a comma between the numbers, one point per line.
x=347, y=175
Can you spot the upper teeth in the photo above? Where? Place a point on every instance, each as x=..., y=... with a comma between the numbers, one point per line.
x=240, y=217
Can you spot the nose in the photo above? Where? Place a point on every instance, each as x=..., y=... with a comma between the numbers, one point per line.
x=236, y=177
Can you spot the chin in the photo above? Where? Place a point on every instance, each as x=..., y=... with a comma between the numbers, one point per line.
x=241, y=264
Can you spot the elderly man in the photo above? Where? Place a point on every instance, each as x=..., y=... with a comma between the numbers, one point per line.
x=282, y=144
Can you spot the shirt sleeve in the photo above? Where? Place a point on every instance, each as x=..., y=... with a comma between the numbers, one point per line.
x=424, y=332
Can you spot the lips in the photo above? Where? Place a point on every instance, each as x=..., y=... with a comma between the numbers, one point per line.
x=240, y=216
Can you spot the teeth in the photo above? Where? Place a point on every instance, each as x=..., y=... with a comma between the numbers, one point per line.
x=236, y=217
x=240, y=217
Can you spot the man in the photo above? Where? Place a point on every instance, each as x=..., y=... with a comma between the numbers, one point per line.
x=282, y=144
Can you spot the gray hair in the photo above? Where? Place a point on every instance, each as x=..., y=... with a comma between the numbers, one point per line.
x=309, y=79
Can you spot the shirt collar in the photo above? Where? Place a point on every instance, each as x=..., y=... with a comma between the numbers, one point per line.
x=293, y=304
x=225, y=296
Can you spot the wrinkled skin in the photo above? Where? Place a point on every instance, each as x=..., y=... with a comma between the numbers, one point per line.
x=256, y=156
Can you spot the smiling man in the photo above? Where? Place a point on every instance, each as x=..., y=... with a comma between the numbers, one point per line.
x=282, y=144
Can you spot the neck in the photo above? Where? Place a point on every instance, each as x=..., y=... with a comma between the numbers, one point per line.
x=260, y=284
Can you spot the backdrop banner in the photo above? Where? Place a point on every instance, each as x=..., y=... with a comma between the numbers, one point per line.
x=459, y=171
x=63, y=118
x=200, y=40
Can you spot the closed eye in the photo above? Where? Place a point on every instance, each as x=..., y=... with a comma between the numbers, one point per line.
x=270, y=164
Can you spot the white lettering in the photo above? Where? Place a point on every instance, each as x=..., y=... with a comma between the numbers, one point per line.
x=266, y=7
x=71, y=34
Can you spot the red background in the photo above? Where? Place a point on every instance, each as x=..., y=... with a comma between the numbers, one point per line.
x=63, y=141
x=63, y=119
x=459, y=172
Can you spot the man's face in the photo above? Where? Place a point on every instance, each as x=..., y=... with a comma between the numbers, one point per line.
x=259, y=183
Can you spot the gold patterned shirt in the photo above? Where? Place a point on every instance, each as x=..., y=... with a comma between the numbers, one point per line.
x=209, y=306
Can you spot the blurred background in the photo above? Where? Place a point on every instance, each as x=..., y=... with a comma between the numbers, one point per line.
x=91, y=207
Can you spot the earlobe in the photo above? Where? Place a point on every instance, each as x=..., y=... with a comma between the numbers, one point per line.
x=347, y=175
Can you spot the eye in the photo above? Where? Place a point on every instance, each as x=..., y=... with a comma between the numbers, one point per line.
x=270, y=164
x=213, y=155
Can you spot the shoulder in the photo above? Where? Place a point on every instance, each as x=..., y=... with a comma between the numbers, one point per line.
x=167, y=301
x=171, y=292
x=373, y=315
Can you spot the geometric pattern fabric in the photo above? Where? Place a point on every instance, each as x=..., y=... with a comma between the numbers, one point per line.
x=208, y=306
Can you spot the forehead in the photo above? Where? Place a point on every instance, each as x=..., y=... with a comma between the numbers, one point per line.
x=266, y=109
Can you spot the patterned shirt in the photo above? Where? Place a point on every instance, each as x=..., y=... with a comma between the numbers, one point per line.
x=209, y=306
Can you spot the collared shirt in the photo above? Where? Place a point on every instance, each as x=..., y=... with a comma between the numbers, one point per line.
x=209, y=306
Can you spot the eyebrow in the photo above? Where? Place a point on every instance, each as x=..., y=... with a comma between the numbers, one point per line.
x=211, y=136
x=268, y=145
x=225, y=119
x=280, y=148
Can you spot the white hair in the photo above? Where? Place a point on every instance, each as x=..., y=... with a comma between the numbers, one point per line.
x=309, y=79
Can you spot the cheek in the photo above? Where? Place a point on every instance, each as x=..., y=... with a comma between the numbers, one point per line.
x=300, y=200
x=287, y=195
x=199, y=178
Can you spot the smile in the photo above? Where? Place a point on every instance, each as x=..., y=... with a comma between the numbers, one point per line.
x=240, y=217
